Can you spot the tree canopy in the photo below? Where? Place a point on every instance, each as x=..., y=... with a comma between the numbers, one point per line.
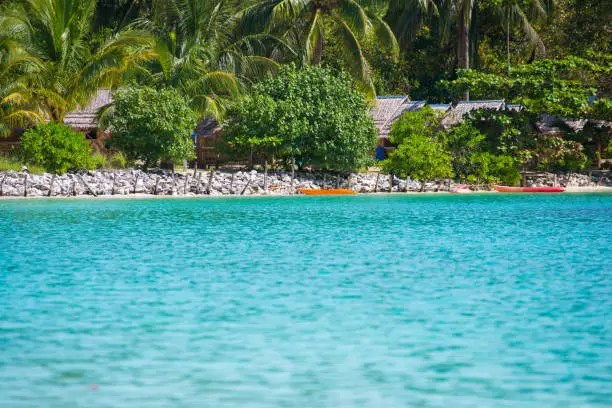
x=150, y=125
x=309, y=115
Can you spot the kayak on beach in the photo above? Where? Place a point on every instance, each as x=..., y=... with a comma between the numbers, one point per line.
x=337, y=191
x=462, y=188
x=506, y=189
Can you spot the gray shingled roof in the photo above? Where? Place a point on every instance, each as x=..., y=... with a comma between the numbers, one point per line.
x=86, y=117
x=550, y=124
x=456, y=113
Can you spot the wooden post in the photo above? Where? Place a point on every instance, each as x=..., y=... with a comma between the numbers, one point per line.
x=2, y=185
x=25, y=184
x=246, y=186
x=156, y=186
x=74, y=188
x=135, y=184
x=523, y=179
x=390, y=183
x=324, y=180
x=51, y=186
x=292, y=173
x=87, y=186
x=376, y=185
x=195, y=167
x=231, y=189
x=198, y=183
x=210, y=180
x=114, y=183
x=590, y=178
x=185, y=185
x=348, y=180
x=406, y=186
x=337, y=181
x=266, y=177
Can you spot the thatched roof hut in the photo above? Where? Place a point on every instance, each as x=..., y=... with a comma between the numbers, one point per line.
x=86, y=118
x=389, y=108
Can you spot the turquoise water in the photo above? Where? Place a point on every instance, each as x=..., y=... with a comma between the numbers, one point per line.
x=375, y=301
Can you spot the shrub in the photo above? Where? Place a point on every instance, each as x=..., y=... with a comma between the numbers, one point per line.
x=56, y=148
x=150, y=125
x=421, y=152
x=490, y=169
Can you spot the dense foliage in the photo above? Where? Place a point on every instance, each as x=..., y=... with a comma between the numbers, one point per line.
x=426, y=151
x=308, y=115
x=551, y=57
x=420, y=153
x=150, y=125
x=56, y=148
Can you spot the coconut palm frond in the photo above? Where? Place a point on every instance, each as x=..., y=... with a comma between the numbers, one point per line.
x=354, y=16
x=314, y=39
x=385, y=35
x=358, y=65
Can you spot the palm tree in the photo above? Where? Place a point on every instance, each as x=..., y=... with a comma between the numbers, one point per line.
x=75, y=62
x=199, y=53
x=16, y=67
x=305, y=24
x=515, y=12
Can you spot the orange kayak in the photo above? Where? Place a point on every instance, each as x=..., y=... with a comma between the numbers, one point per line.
x=506, y=189
x=337, y=191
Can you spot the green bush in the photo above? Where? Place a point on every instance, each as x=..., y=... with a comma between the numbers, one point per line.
x=56, y=148
x=421, y=151
x=490, y=169
x=150, y=125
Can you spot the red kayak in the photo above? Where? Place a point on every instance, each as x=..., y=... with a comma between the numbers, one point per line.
x=506, y=189
x=335, y=191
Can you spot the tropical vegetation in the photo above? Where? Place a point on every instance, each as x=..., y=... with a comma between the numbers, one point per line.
x=231, y=59
x=307, y=116
x=151, y=125
x=56, y=148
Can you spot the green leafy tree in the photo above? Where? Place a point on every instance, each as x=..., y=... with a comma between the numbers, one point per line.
x=421, y=152
x=56, y=148
x=463, y=142
x=556, y=87
x=150, y=125
x=309, y=115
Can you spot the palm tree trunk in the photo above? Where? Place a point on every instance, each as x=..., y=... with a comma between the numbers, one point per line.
x=508, y=39
x=463, y=50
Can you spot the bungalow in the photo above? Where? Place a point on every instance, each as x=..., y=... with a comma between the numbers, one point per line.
x=455, y=114
x=85, y=119
x=387, y=110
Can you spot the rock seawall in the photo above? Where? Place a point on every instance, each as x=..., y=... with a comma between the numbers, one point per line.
x=215, y=183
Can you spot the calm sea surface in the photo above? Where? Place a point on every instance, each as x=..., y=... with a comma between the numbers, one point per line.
x=385, y=301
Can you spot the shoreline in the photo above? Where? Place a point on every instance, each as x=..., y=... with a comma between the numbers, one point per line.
x=137, y=184
x=139, y=196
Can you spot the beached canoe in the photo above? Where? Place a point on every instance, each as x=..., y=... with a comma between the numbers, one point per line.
x=460, y=189
x=337, y=191
x=506, y=189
